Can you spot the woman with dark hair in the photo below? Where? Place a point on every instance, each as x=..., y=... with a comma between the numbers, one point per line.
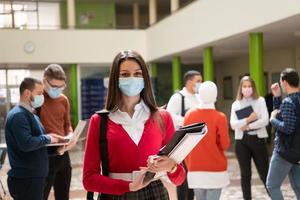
x=250, y=133
x=136, y=129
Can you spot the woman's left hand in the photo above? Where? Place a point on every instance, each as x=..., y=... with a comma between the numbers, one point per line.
x=161, y=163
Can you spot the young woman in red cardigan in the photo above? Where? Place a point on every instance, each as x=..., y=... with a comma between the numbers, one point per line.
x=136, y=129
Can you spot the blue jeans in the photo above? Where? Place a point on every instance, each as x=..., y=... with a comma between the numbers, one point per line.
x=279, y=169
x=208, y=194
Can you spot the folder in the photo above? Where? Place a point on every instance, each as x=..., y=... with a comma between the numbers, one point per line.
x=244, y=112
x=80, y=128
x=181, y=144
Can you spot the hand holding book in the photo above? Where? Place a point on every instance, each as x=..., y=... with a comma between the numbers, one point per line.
x=248, y=114
x=252, y=117
x=55, y=138
x=71, y=137
x=71, y=142
x=161, y=164
x=180, y=145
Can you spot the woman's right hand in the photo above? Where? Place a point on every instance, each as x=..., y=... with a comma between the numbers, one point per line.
x=137, y=183
x=252, y=117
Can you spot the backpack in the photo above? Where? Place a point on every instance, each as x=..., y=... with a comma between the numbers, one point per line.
x=182, y=104
x=291, y=143
x=103, y=149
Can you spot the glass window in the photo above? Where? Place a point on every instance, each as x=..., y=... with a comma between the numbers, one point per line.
x=16, y=76
x=29, y=15
x=14, y=95
x=2, y=78
x=2, y=95
x=227, y=87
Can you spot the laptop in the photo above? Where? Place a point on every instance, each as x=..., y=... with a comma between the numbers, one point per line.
x=80, y=128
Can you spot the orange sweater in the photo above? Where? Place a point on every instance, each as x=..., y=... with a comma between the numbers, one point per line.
x=55, y=115
x=209, y=155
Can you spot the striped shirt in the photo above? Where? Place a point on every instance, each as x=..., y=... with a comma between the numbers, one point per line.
x=286, y=120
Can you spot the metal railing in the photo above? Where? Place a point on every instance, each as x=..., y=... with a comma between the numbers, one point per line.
x=38, y=26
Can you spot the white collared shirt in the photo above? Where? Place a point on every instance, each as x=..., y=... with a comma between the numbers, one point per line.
x=133, y=126
x=26, y=106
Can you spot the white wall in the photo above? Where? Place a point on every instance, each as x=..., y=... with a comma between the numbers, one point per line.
x=69, y=46
x=205, y=21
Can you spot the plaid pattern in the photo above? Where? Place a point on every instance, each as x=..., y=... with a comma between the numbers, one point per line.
x=286, y=120
x=154, y=191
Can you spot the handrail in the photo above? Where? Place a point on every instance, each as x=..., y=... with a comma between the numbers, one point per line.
x=88, y=27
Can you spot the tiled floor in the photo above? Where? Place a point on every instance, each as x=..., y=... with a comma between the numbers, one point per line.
x=232, y=192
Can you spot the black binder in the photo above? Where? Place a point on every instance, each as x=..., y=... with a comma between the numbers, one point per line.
x=176, y=140
x=244, y=112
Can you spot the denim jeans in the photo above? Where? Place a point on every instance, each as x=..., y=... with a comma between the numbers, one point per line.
x=279, y=169
x=207, y=194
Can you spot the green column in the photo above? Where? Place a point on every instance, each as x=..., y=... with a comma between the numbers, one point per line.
x=153, y=70
x=256, y=54
x=176, y=73
x=73, y=93
x=208, y=64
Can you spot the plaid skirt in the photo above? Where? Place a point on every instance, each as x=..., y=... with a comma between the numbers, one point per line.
x=154, y=191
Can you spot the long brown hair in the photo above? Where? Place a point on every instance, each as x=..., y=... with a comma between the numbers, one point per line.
x=239, y=95
x=114, y=95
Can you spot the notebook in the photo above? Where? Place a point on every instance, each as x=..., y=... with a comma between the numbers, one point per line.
x=181, y=144
x=244, y=112
x=80, y=128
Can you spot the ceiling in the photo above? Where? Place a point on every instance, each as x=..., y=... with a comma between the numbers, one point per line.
x=281, y=34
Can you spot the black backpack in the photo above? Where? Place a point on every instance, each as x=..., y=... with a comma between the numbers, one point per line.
x=291, y=143
x=103, y=149
x=182, y=104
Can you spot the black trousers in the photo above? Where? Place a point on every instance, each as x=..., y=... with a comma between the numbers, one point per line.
x=26, y=188
x=251, y=147
x=183, y=191
x=60, y=172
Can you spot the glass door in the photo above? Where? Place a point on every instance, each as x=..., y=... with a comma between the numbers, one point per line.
x=10, y=79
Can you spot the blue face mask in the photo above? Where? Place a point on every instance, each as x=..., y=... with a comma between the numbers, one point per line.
x=54, y=93
x=131, y=86
x=197, y=87
x=38, y=101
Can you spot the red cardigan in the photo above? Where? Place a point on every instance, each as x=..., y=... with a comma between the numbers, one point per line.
x=123, y=154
